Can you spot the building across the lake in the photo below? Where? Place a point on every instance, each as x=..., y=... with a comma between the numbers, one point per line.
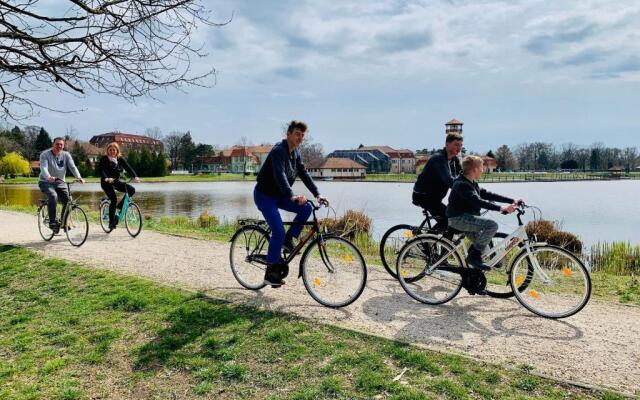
x=338, y=168
x=127, y=141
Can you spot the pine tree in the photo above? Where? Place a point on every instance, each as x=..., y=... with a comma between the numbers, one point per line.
x=43, y=141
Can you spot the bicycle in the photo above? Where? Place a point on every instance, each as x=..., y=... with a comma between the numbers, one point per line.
x=74, y=220
x=397, y=236
x=129, y=213
x=548, y=280
x=331, y=267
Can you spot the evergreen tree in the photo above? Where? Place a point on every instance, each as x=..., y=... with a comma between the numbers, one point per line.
x=43, y=141
x=161, y=165
x=133, y=158
x=145, y=166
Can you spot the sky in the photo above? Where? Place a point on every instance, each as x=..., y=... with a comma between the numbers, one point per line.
x=393, y=72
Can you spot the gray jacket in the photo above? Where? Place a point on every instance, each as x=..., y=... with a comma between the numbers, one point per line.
x=50, y=165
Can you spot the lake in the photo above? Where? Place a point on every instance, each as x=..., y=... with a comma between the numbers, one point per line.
x=595, y=210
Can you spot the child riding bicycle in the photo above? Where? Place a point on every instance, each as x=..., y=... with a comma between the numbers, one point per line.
x=465, y=202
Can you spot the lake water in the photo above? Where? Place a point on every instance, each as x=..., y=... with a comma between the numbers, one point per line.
x=595, y=210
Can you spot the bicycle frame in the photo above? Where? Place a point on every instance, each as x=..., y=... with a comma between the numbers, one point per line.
x=519, y=235
x=314, y=232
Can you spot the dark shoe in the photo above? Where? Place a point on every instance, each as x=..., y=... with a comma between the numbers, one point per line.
x=273, y=275
x=115, y=221
x=474, y=260
x=55, y=227
x=283, y=269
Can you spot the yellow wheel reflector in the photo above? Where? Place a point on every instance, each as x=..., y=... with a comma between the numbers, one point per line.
x=566, y=271
x=519, y=280
x=316, y=281
x=408, y=234
x=404, y=274
x=534, y=294
x=348, y=258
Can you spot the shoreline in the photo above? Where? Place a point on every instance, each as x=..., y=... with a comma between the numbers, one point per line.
x=206, y=178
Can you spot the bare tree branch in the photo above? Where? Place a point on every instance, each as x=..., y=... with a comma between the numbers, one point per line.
x=126, y=48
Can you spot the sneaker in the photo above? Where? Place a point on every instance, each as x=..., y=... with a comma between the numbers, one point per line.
x=474, y=260
x=54, y=226
x=273, y=276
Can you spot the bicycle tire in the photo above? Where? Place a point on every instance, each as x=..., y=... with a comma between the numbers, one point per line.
x=43, y=223
x=104, y=216
x=389, y=262
x=549, y=282
x=333, y=271
x=248, y=240
x=493, y=275
x=438, y=286
x=133, y=219
x=77, y=229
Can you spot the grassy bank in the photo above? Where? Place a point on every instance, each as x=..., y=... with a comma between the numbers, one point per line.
x=498, y=177
x=169, y=178
x=68, y=332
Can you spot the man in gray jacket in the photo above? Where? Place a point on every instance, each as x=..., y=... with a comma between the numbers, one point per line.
x=53, y=168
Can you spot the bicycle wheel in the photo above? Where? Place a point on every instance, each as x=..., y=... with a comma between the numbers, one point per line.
x=333, y=271
x=133, y=219
x=434, y=287
x=76, y=225
x=104, y=216
x=249, y=246
x=558, y=282
x=391, y=243
x=43, y=223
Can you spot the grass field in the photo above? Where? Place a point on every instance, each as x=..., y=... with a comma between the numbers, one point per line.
x=69, y=332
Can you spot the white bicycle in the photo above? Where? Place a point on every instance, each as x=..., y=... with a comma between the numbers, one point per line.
x=547, y=280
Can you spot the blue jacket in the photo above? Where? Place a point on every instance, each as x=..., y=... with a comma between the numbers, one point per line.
x=280, y=170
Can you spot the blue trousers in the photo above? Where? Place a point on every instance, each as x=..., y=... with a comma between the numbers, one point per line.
x=269, y=206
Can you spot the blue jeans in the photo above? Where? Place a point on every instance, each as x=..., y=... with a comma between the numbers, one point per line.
x=54, y=191
x=479, y=230
x=269, y=207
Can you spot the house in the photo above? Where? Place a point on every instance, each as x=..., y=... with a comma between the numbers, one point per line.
x=375, y=161
x=93, y=153
x=261, y=153
x=338, y=168
x=243, y=161
x=127, y=141
x=489, y=164
x=220, y=162
x=402, y=161
x=421, y=161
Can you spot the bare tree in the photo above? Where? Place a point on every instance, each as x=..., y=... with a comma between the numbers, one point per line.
x=172, y=147
x=127, y=48
x=154, y=133
x=243, y=143
x=311, y=152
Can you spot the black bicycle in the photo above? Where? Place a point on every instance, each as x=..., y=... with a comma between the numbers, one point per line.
x=73, y=220
x=332, y=268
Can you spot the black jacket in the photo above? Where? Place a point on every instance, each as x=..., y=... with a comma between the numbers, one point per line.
x=468, y=198
x=109, y=169
x=437, y=176
x=280, y=170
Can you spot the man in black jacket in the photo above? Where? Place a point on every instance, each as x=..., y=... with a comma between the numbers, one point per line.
x=465, y=202
x=273, y=191
x=436, y=178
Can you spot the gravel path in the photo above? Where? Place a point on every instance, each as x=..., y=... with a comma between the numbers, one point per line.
x=599, y=346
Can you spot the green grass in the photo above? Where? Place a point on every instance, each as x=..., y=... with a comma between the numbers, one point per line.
x=69, y=332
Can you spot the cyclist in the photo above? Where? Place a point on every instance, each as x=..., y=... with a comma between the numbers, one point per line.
x=436, y=178
x=465, y=201
x=273, y=191
x=110, y=167
x=54, y=164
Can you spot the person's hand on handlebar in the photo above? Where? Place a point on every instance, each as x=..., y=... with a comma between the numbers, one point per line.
x=519, y=202
x=322, y=200
x=81, y=180
x=299, y=199
x=136, y=179
x=508, y=209
x=109, y=180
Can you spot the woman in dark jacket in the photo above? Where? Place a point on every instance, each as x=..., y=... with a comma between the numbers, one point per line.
x=110, y=167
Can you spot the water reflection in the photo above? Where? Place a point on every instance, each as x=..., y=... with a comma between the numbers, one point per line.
x=594, y=210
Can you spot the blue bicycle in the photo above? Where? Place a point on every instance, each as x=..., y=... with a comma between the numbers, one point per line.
x=129, y=213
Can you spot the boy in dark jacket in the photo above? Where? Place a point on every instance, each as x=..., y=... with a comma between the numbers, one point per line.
x=465, y=202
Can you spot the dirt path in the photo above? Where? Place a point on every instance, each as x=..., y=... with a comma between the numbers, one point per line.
x=599, y=346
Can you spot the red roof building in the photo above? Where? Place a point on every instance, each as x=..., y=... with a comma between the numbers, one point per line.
x=127, y=142
x=339, y=168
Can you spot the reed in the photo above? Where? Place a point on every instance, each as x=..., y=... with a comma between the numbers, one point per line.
x=616, y=258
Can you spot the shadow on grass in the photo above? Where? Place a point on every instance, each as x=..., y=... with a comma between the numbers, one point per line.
x=189, y=322
x=7, y=247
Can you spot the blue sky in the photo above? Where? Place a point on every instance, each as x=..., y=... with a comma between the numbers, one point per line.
x=393, y=72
